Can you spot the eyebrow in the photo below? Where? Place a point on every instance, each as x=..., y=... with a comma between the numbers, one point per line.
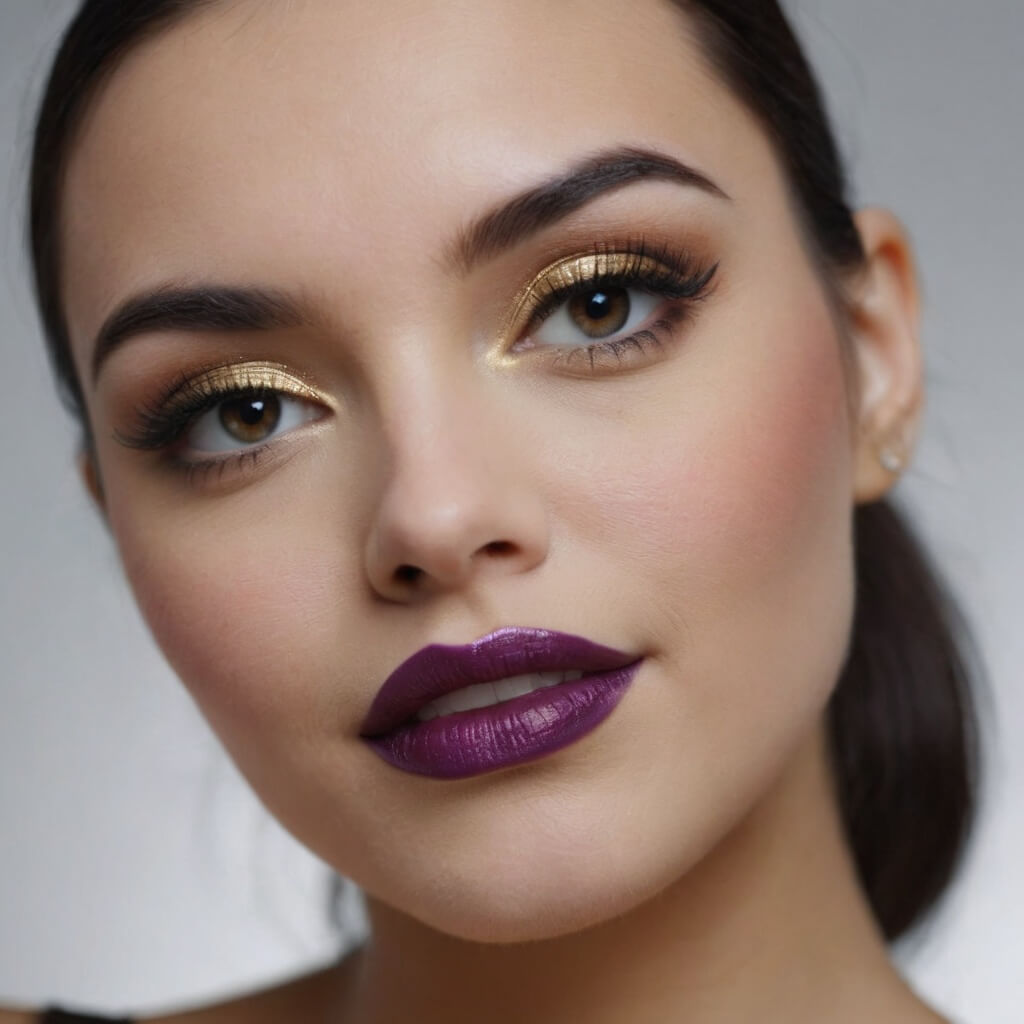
x=202, y=308
x=210, y=307
x=544, y=205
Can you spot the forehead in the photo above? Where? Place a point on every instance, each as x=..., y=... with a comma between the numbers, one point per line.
x=255, y=128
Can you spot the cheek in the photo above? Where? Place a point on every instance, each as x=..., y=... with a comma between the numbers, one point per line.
x=773, y=478
x=246, y=608
x=732, y=522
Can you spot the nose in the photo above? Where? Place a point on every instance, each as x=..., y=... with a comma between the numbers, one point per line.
x=458, y=506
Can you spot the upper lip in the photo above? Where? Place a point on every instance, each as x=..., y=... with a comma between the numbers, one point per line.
x=438, y=669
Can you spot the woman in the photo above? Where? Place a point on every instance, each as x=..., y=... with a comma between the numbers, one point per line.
x=494, y=409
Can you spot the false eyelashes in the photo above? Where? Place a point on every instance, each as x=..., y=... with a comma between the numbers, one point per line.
x=162, y=422
x=608, y=276
x=594, y=313
x=669, y=273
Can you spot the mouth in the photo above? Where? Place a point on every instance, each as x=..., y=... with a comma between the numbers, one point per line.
x=486, y=695
x=512, y=696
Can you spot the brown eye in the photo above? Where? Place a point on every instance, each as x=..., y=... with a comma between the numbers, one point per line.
x=252, y=418
x=600, y=313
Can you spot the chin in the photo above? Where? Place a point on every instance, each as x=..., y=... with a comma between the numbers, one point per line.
x=521, y=892
x=514, y=917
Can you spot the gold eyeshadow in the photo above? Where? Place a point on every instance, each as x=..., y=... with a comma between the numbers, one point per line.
x=240, y=377
x=669, y=273
x=569, y=273
x=674, y=276
x=162, y=421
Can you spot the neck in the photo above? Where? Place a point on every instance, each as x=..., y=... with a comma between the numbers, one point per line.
x=771, y=926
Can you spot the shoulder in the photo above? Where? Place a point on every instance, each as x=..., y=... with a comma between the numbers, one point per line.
x=18, y=1016
x=308, y=998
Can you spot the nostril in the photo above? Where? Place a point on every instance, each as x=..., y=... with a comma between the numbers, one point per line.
x=498, y=547
x=451, y=570
x=407, y=574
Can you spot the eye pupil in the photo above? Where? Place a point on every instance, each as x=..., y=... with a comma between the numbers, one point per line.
x=601, y=312
x=251, y=418
x=597, y=305
x=252, y=412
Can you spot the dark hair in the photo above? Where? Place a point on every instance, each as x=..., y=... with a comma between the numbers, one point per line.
x=903, y=732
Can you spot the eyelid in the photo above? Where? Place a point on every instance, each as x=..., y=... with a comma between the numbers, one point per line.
x=581, y=269
x=163, y=421
x=233, y=377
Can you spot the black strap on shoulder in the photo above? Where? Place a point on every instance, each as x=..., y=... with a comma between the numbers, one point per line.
x=55, y=1015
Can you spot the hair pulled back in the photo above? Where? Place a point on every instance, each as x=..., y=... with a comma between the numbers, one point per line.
x=903, y=733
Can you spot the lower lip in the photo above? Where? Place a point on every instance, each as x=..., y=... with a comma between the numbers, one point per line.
x=514, y=732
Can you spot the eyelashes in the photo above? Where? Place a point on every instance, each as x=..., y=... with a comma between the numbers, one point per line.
x=250, y=399
x=598, y=295
x=595, y=313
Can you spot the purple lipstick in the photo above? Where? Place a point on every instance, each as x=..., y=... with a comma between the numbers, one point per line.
x=510, y=697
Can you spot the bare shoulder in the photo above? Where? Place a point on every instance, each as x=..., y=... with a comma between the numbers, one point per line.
x=309, y=998
x=18, y=1016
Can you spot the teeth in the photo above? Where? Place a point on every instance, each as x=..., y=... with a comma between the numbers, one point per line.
x=506, y=689
x=484, y=695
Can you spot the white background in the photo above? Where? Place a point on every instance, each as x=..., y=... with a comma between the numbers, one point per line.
x=138, y=872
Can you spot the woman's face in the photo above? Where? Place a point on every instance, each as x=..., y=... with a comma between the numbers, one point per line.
x=448, y=457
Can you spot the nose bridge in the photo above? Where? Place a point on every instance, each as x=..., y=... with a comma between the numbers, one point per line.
x=456, y=498
x=442, y=452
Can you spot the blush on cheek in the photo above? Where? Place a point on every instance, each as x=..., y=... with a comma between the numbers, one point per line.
x=761, y=563
x=738, y=539
x=761, y=457
x=786, y=459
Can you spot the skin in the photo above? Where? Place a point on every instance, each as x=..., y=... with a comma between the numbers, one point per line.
x=684, y=861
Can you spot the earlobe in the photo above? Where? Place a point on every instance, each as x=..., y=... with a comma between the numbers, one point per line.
x=884, y=325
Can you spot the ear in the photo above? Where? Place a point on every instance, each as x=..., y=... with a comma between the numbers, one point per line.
x=885, y=318
x=89, y=472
